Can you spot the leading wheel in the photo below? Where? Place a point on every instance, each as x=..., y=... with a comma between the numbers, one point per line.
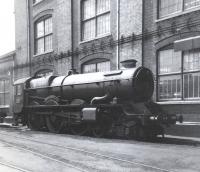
x=54, y=123
x=79, y=129
x=101, y=127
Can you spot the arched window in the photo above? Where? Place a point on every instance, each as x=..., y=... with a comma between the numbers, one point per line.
x=95, y=18
x=43, y=35
x=36, y=1
x=44, y=73
x=97, y=65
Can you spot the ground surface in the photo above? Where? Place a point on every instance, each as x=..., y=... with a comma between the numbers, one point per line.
x=22, y=150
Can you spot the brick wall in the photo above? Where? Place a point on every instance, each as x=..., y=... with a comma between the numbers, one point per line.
x=61, y=15
x=21, y=36
x=130, y=22
x=153, y=43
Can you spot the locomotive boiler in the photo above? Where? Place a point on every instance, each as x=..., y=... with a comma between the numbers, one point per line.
x=116, y=103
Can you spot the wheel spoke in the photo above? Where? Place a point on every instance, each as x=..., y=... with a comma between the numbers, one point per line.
x=79, y=129
x=54, y=123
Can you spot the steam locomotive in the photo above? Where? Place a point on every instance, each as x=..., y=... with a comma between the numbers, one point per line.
x=103, y=103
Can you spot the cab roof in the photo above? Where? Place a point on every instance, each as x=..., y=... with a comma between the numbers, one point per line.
x=21, y=81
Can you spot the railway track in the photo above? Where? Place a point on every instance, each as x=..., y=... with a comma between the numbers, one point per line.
x=79, y=166
x=13, y=167
x=41, y=155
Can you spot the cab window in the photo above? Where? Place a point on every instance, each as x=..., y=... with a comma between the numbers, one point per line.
x=18, y=90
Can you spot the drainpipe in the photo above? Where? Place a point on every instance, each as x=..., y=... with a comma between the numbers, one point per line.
x=72, y=34
x=28, y=36
x=118, y=33
x=143, y=27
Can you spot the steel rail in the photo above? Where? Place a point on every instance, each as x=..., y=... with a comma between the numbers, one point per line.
x=42, y=156
x=95, y=154
x=13, y=167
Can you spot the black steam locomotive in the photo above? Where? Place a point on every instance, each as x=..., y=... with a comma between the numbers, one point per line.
x=104, y=103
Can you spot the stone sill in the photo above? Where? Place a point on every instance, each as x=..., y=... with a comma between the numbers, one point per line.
x=179, y=102
x=93, y=39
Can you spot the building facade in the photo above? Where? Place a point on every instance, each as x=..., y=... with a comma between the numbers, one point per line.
x=6, y=82
x=172, y=52
x=54, y=36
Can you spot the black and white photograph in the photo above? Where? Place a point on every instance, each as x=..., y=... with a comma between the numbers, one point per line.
x=100, y=86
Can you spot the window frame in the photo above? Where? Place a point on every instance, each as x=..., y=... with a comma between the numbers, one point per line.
x=5, y=92
x=183, y=10
x=94, y=62
x=182, y=73
x=36, y=1
x=36, y=38
x=95, y=17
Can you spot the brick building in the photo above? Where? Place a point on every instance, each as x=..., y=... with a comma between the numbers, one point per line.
x=172, y=52
x=54, y=36
x=6, y=81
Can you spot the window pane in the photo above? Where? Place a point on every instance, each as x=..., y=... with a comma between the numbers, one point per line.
x=43, y=39
x=40, y=46
x=192, y=60
x=88, y=9
x=103, y=6
x=4, y=92
x=103, y=66
x=89, y=29
x=169, y=61
x=48, y=43
x=7, y=85
x=191, y=3
x=18, y=90
x=103, y=24
x=169, y=87
x=40, y=29
x=1, y=99
x=89, y=68
x=169, y=7
x=48, y=26
x=192, y=85
x=36, y=1
x=7, y=99
x=1, y=86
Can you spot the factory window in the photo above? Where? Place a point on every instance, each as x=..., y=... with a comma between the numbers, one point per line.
x=95, y=18
x=191, y=76
x=169, y=75
x=169, y=7
x=4, y=92
x=191, y=4
x=178, y=75
x=44, y=73
x=43, y=35
x=96, y=67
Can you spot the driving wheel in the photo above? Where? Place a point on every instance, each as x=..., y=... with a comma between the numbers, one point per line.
x=54, y=123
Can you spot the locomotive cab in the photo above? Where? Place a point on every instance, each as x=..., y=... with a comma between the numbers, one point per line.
x=19, y=101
